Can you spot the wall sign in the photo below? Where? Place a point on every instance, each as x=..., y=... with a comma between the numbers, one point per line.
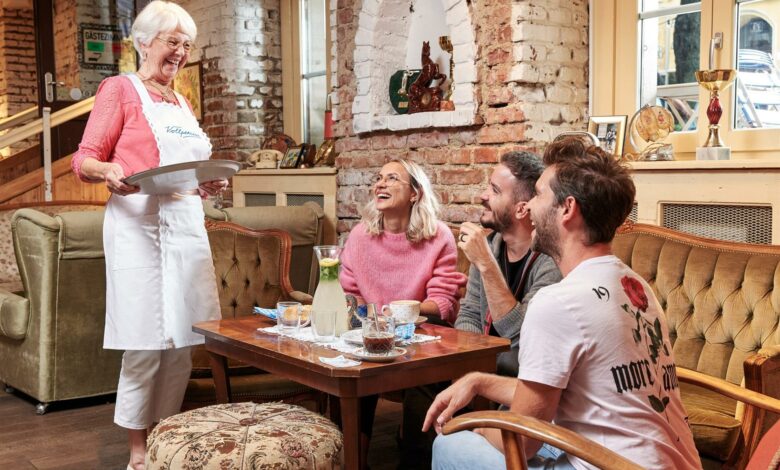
x=100, y=46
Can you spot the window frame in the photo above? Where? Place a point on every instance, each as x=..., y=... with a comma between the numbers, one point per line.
x=615, y=84
x=292, y=78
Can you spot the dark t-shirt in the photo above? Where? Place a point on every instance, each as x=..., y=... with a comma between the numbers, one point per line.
x=513, y=273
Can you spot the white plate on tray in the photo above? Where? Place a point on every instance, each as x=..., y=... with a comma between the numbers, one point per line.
x=390, y=356
x=182, y=177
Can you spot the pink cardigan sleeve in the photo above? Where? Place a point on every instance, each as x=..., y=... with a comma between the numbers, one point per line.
x=445, y=281
x=103, y=127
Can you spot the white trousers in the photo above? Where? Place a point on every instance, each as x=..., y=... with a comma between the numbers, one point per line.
x=151, y=386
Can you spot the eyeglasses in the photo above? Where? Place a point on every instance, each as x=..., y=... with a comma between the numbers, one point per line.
x=390, y=180
x=174, y=44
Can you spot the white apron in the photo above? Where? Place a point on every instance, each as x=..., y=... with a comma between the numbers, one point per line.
x=159, y=272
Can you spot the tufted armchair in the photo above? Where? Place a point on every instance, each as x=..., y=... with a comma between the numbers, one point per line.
x=722, y=303
x=252, y=269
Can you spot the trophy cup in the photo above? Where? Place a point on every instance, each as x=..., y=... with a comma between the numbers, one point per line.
x=446, y=103
x=715, y=81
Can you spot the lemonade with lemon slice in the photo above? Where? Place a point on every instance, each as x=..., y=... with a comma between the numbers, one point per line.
x=329, y=307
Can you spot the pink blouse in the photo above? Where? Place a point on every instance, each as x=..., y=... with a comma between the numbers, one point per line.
x=117, y=130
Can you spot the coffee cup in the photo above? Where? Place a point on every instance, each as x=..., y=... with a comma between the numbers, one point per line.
x=403, y=311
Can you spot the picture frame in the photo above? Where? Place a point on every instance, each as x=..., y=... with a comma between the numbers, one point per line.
x=611, y=132
x=291, y=157
x=189, y=83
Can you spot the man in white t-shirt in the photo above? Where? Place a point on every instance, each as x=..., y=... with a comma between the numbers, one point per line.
x=595, y=355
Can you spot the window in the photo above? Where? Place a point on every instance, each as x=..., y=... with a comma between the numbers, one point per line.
x=645, y=52
x=305, y=68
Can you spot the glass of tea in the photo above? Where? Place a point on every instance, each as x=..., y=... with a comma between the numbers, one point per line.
x=378, y=334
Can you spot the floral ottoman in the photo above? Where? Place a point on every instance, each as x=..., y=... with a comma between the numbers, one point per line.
x=245, y=436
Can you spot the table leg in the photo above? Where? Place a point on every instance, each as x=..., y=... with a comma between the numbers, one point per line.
x=221, y=380
x=350, y=417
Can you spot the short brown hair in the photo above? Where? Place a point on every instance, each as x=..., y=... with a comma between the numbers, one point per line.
x=601, y=185
x=526, y=167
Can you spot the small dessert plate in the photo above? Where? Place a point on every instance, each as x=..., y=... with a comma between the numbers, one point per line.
x=390, y=356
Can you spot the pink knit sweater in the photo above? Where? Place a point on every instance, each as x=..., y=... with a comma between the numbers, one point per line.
x=389, y=267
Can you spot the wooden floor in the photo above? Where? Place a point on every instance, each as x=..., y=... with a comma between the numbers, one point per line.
x=81, y=435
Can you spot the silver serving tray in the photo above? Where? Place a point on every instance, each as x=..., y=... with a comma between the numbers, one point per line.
x=182, y=177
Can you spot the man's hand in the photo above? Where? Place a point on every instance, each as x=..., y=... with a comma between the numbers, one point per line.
x=214, y=187
x=446, y=403
x=474, y=243
x=113, y=174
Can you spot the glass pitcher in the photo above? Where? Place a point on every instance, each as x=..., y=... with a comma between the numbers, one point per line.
x=329, y=298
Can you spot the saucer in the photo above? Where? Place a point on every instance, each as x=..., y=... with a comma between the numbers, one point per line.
x=394, y=354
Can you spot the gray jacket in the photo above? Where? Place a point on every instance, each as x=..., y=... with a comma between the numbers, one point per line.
x=474, y=305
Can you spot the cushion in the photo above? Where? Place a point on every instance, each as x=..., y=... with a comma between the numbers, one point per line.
x=716, y=431
x=245, y=436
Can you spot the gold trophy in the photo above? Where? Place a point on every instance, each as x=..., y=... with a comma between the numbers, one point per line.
x=446, y=103
x=715, y=81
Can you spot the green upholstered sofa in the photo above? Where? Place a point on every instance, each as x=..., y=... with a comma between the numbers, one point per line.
x=303, y=223
x=722, y=304
x=51, y=330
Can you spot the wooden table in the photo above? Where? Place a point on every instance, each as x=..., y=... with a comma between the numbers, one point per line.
x=457, y=353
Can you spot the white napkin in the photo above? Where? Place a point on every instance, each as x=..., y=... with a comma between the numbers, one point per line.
x=339, y=361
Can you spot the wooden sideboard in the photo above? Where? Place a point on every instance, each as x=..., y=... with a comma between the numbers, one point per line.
x=290, y=187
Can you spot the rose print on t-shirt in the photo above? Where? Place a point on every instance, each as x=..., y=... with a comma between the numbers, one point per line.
x=641, y=374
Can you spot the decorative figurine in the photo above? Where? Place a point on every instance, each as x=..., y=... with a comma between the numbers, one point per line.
x=422, y=96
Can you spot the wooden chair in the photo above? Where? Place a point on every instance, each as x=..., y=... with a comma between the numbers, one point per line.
x=568, y=441
x=767, y=457
x=757, y=404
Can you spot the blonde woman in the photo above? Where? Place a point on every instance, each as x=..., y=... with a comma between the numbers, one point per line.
x=401, y=251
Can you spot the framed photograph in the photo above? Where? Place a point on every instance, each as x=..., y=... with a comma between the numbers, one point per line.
x=188, y=82
x=291, y=157
x=611, y=131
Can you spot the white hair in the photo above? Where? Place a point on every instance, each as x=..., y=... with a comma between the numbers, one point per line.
x=425, y=210
x=160, y=17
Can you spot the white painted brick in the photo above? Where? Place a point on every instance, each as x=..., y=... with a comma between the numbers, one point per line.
x=465, y=72
x=463, y=94
x=580, y=55
x=455, y=17
x=464, y=53
x=362, y=104
x=551, y=112
x=570, y=35
x=334, y=98
x=524, y=72
x=379, y=123
x=462, y=34
x=363, y=70
x=538, y=132
x=451, y=4
x=527, y=31
x=256, y=103
x=548, y=73
x=442, y=119
x=560, y=54
x=571, y=113
x=335, y=115
x=364, y=37
x=571, y=74
x=398, y=122
x=420, y=120
x=463, y=117
x=371, y=7
x=360, y=123
x=528, y=11
x=363, y=53
x=560, y=16
x=363, y=87
x=367, y=21
x=529, y=94
x=255, y=76
x=559, y=94
x=524, y=51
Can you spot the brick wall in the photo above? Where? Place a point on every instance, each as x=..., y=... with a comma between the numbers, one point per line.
x=18, y=78
x=531, y=61
x=239, y=42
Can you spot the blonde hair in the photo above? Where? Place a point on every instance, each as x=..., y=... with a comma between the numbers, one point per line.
x=159, y=17
x=425, y=210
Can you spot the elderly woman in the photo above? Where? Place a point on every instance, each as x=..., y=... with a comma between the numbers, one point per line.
x=159, y=274
x=401, y=251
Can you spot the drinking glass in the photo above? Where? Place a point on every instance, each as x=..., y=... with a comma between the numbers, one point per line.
x=288, y=316
x=379, y=334
x=324, y=325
